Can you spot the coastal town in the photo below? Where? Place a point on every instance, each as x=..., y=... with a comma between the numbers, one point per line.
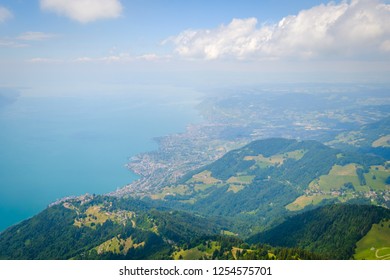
x=233, y=120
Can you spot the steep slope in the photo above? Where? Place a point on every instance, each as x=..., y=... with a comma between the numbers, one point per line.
x=103, y=227
x=375, y=245
x=332, y=231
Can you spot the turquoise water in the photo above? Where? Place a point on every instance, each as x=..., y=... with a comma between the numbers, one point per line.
x=51, y=147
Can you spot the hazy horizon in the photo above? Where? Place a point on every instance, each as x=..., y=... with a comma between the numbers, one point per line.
x=70, y=46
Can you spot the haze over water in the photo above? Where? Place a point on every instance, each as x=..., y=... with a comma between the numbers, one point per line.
x=51, y=147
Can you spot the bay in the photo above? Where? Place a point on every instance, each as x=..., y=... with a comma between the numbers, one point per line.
x=52, y=147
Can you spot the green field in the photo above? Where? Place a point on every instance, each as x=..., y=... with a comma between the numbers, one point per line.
x=117, y=245
x=237, y=183
x=94, y=216
x=97, y=215
x=204, y=178
x=305, y=200
x=241, y=179
x=199, y=252
x=228, y=233
x=235, y=188
x=172, y=190
x=191, y=254
x=264, y=162
x=333, y=184
x=376, y=178
x=376, y=244
x=382, y=142
x=203, y=181
x=337, y=177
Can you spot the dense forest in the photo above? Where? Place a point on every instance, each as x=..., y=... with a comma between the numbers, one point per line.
x=331, y=231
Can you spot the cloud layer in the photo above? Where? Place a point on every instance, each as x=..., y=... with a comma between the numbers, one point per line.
x=24, y=39
x=5, y=14
x=84, y=10
x=359, y=28
x=34, y=36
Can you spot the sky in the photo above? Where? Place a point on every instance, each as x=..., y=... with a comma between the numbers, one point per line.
x=69, y=44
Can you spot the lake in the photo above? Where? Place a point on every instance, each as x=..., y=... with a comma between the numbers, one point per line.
x=57, y=146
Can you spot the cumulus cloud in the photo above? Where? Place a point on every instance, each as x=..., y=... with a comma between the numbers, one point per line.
x=84, y=10
x=348, y=29
x=5, y=14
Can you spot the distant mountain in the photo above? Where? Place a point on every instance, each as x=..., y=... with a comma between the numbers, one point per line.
x=371, y=138
x=331, y=231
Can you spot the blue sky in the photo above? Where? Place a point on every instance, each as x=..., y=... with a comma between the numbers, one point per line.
x=49, y=41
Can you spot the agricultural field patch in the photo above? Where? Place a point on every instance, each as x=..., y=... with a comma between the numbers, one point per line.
x=171, y=190
x=384, y=141
x=117, y=245
x=241, y=180
x=96, y=215
x=228, y=233
x=202, y=251
x=376, y=178
x=202, y=187
x=204, y=178
x=235, y=188
x=93, y=216
x=236, y=250
x=278, y=159
x=305, y=200
x=375, y=245
x=191, y=254
x=338, y=176
x=345, y=183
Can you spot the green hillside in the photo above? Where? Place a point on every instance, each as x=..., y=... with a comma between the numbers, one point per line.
x=103, y=227
x=107, y=228
x=331, y=231
x=375, y=245
x=258, y=185
x=263, y=190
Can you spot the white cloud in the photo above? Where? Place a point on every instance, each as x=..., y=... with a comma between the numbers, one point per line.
x=84, y=10
x=349, y=29
x=35, y=36
x=123, y=57
x=112, y=58
x=83, y=59
x=11, y=44
x=21, y=40
x=152, y=57
x=44, y=60
x=5, y=14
